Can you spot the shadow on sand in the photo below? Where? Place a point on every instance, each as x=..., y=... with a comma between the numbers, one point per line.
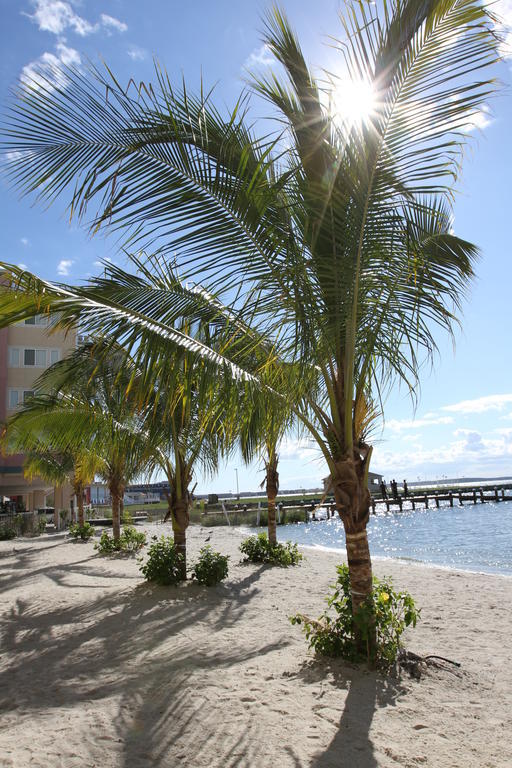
x=171, y=661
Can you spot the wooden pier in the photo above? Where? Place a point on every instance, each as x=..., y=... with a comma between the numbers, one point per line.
x=415, y=500
x=433, y=500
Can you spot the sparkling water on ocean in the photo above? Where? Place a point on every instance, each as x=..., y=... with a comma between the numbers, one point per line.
x=475, y=537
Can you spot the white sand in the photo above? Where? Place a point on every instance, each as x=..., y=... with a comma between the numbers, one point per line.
x=98, y=668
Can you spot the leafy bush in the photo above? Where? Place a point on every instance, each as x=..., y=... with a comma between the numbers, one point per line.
x=127, y=517
x=211, y=568
x=7, y=531
x=131, y=540
x=164, y=562
x=387, y=612
x=258, y=549
x=41, y=524
x=83, y=532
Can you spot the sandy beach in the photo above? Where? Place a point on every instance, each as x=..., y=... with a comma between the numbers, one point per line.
x=98, y=668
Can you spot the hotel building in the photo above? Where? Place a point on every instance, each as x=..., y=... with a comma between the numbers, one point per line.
x=26, y=349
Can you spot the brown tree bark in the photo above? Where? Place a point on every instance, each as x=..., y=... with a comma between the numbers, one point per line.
x=272, y=488
x=179, y=502
x=353, y=505
x=179, y=514
x=116, y=521
x=78, y=489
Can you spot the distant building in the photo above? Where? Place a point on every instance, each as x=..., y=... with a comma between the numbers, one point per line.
x=98, y=494
x=374, y=481
x=26, y=349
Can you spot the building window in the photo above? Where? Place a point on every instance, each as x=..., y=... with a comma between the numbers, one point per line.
x=35, y=357
x=29, y=357
x=32, y=358
x=14, y=357
x=41, y=320
x=17, y=397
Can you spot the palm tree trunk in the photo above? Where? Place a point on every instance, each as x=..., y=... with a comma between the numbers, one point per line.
x=179, y=515
x=179, y=500
x=180, y=520
x=116, y=521
x=353, y=505
x=79, y=494
x=272, y=487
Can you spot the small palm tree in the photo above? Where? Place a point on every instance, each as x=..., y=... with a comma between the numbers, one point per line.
x=339, y=230
x=184, y=422
x=83, y=415
x=73, y=467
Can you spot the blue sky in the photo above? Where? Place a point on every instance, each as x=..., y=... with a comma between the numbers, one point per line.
x=463, y=423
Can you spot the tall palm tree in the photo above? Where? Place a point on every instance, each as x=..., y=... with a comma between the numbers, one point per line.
x=339, y=230
x=174, y=426
x=184, y=422
x=259, y=425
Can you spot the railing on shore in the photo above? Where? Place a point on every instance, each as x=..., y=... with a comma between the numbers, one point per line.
x=427, y=500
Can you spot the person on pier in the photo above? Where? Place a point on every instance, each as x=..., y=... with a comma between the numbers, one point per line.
x=406, y=490
x=383, y=489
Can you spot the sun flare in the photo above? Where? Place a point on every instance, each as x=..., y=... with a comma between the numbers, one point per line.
x=352, y=101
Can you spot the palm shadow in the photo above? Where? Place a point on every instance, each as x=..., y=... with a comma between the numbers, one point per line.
x=368, y=690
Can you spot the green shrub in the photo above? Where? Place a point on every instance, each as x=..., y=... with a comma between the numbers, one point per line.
x=164, y=562
x=41, y=523
x=7, y=531
x=131, y=540
x=211, y=568
x=387, y=611
x=258, y=549
x=83, y=532
x=127, y=518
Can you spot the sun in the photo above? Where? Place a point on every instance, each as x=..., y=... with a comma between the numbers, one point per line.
x=352, y=102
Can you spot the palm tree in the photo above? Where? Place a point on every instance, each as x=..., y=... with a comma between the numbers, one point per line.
x=71, y=466
x=339, y=230
x=83, y=415
x=184, y=423
x=259, y=425
x=175, y=426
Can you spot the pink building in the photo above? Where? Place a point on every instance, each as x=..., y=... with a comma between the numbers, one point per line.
x=26, y=349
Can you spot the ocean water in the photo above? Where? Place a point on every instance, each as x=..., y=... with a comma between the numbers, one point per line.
x=475, y=537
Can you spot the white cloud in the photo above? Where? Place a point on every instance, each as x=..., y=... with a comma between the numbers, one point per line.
x=260, y=57
x=471, y=454
x=429, y=420
x=503, y=9
x=22, y=266
x=109, y=22
x=67, y=56
x=136, y=54
x=56, y=16
x=480, y=404
x=24, y=241
x=47, y=71
x=479, y=120
x=64, y=266
x=298, y=448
